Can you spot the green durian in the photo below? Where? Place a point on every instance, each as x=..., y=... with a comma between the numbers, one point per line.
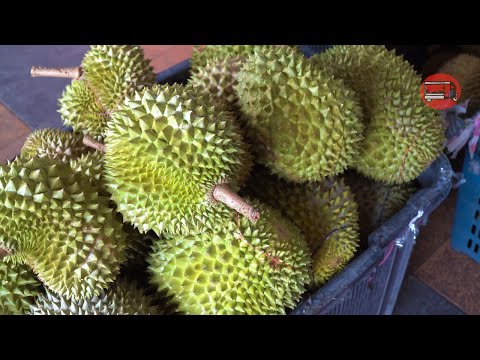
x=55, y=144
x=91, y=165
x=123, y=298
x=241, y=268
x=377, y=201
x=325, y=211
x=303, y=124
x=110, y=74
x=167, y=149
x=403, y=135
x=201, y=56
x=18, y=288
x=54, y=220
x=219, y=77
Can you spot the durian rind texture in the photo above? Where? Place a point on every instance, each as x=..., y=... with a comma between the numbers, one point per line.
x=167, y=148
x=219, y=77
x=377, y=201
x=55, y=144
x=325, y=211
x=201, y=56
x=19, y=288
x=242, y=268
x=54, y=220
x=110, y=73
x=123, y=298
x=403, y=136
x=303, y=124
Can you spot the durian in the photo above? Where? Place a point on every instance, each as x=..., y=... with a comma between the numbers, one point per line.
x=201, y=56
x=91, y=165
x=377, y=202
x=303, y=124
x=54, y=144
x=54, y=220
x=466, y=70
x=325, y=212
x=219, y=77
x=241, y=268
x=18, y=288
x=169, y=151
x=108, y=74
x=123, y=298
x=403, y=135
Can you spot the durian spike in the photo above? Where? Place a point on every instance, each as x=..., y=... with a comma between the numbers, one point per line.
x=224, y=194
x=71, y=73
x=94, y=144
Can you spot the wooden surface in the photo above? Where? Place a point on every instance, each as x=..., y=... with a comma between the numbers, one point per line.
x=13, y=131
x=12, y=134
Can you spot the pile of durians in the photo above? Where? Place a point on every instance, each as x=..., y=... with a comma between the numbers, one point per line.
x=238, y=192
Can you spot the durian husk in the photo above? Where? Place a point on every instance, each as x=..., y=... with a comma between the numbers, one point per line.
x=54, y=220
x=403, y=136
x=55, y=144
x=324, y=211
x=303, y=124
x=167, y=149
x=241, y=268
x=123, y=298
x=110, y=74
x=19, y=288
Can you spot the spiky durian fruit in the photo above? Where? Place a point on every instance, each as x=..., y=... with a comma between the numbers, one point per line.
x=91, y=165
x=18, y=288
x=377, y=202
x=403, y=135
x=241, y=268
x=324, y=211
x=219, y=77
x=54, y=220
x=123, y=298
x=302, y=123
x=465, y=69
x=201, y=56
x=167, y=149
x=54, y=144
x=110, y=73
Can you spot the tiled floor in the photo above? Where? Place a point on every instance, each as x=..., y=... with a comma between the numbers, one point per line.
x=438, y=277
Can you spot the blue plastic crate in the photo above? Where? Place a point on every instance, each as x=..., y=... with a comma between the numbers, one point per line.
x=466, y=226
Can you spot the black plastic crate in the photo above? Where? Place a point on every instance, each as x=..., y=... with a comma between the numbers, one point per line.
x=370, y=283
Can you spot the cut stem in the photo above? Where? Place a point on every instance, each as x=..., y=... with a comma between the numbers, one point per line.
x=71, y=73
x=94, y=144
x=224, y=194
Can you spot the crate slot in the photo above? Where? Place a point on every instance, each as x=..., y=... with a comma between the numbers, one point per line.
x=469, y=244
x=475, y=249
x=474, y=229
x=477, y=215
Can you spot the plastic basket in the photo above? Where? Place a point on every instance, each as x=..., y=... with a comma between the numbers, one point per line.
x=466, y=225
x=369, y=284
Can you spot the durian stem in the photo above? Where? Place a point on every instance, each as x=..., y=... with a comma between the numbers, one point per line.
x=71, y=73
x=4, y=252
x=94, y=144
x=224, y=194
